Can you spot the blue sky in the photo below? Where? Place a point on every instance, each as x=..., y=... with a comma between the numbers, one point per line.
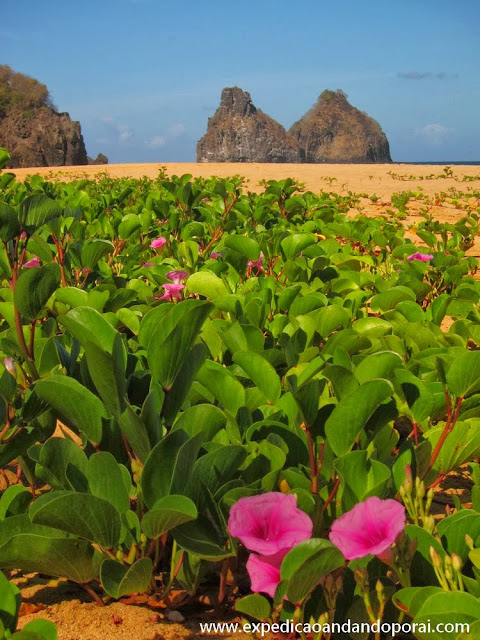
x=143, y=76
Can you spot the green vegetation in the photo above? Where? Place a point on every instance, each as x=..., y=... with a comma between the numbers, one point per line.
x=173, y=345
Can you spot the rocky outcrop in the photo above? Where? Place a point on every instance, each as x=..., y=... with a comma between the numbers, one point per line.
x=100, y=159
x=31, y=129
x=239, y=132
x=335, y=131
x=43, y=139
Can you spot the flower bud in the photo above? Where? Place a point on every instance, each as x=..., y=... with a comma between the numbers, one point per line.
x=9, y=365
x=469, y=541
x=448, y=561
x=361, y=577
x=379, y=588
x=408, y=482
x=457, y=562
x=435, y=557
x=420, y=488
x=448, y=574
x=429, y=524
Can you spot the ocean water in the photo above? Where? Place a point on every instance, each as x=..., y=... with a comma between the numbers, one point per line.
x=447, y=163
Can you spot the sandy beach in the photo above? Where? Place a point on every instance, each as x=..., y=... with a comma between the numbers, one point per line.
x=381, y=179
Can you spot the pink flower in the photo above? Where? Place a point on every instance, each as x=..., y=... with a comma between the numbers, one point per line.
x=215, y=255
x=369, y=528
x=172, y=292
x=264, y=572
x=269, y=523
x=148, y=264
x=158, y=242
x=256, y=263
x=424, y=257
x=34, y=262
x=176, y=276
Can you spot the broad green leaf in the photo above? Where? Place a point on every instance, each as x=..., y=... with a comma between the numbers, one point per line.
x=207, y=284
x=255, y=606
x=9, y=224
x=74, y=403
x=33, y=289
x=306, y=564
x=10, y=600
x=292, y=245
x=378, y=365
x=37, y=210
x=201, y=417
x=63, y=464
x=169, y=465
x=448, y=607
x=329, y=319
x=119, y=580
x=31, y=547
x=135, y=431
x=170, y=345
x=390, y=298
x=93, y=251
x=261, y=372
x=223, y=385
x=105, y=480
x=353, y=412
x=463, y=374
x=167, y=513
x=202, y=539
x=361, y=477
x=43, y=629
x=244, y=245
x=88, y=325
x=82, y=514
x=107, y=372
x=72, y=296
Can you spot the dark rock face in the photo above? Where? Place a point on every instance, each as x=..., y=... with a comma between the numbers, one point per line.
x=334, y=131
x=239, y=132
x=31, y=129
x=42, y=138
x=100, y=159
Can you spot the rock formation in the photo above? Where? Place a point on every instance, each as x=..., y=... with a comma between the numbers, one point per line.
x=239, y=132
x=100, y=159
x=31, y=130
x=335, y=131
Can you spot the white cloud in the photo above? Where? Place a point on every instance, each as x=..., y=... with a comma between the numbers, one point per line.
x=434, y=133
x=174, y=131
x=156, y=142
x=122, y=132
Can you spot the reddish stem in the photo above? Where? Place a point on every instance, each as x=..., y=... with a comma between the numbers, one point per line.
x=332, y=494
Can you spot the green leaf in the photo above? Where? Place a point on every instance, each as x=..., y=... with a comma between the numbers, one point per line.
x=452, y=455
x=93, y=251
x=105, y=480
x=448, y=607
x=33, y=289
x=390, y=298
x=462, y=374
x=353, y=412
x=207, y=284
x=32, y=547
x=108, y=374
x=136, y=433
x=44, y=629
x=119, y=580
x=167, y=513
x=88, y=325
x=9, y=224
x=82, y=514
x=202, y=539
x=331, y=318
x=306, y=564
x=10, y=600
x=255, y=606
x=37, y=210
x=201, y=417
x=223, y=384
x=361, y=477
x=75, y=404
x=378, y=365
x=4, y=158
x=261, y=372
x=173, y=338
x=248, y=247
x=292, y=245
x=72, y=296
x=63, y=464
x=168, y=465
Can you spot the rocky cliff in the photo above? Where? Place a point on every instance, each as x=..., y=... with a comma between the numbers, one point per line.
x=239, y=132
x=335, y=131
x=30, y=127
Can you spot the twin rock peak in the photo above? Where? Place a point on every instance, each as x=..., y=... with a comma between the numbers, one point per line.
x=332, y=131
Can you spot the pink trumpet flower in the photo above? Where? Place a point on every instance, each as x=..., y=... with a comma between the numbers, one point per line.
x=264, y=572
x=176, y=276
x=269, y=523
x=172, y=292
x=423, y=257
x=371, y=527
x=34, y=262
x=158, y=242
